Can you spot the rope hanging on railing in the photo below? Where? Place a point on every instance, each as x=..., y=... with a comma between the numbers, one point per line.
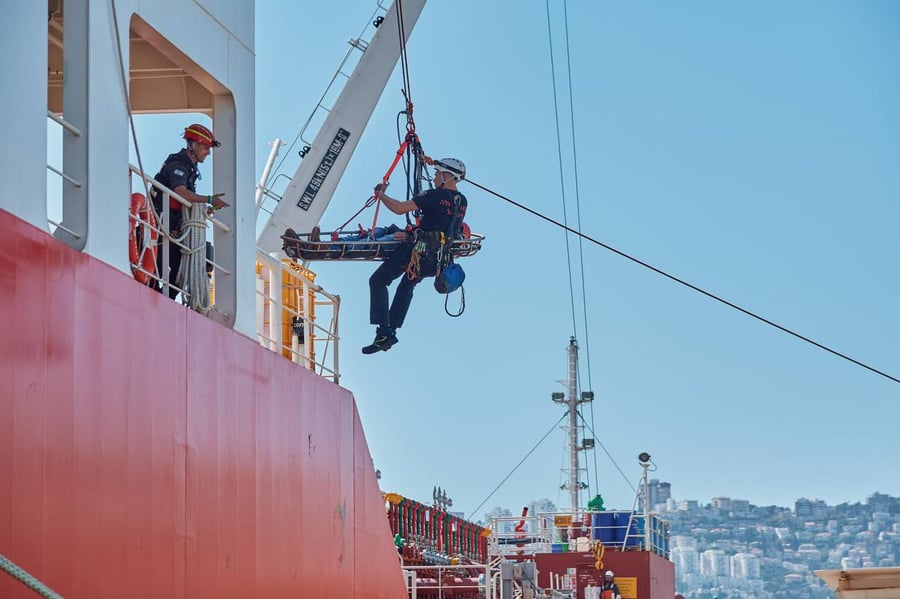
x=192, y=277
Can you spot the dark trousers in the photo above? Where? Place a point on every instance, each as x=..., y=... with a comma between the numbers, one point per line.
x=384, y=275
x=174, y=254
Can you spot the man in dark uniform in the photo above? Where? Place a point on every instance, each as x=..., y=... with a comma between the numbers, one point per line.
x=437, y=207
x=180, y=173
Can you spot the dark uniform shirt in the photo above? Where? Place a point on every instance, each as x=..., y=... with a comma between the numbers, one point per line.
x=437, y=208
x=177, y=170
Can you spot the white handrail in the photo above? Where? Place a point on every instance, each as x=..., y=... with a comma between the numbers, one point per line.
x=273, y=273
x=64, y=123
x=168, y=193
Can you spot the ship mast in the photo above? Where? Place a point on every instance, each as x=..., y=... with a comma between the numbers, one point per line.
x=572, y=402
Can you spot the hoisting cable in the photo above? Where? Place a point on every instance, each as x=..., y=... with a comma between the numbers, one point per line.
x=410, y=124
x=522, y=461
x=584, y=300
x=562, y=182
x=688, y=285
x=408, y=147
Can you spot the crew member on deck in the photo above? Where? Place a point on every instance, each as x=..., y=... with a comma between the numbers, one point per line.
x=437, y=206
x=609, y=589
x=180, y=173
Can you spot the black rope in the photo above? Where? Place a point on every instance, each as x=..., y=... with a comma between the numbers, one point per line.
x=462, y=303
x=689, y=285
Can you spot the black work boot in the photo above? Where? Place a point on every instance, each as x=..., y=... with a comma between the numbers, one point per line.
x=384, y=340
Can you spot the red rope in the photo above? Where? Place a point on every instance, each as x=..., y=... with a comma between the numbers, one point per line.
x=387, y=176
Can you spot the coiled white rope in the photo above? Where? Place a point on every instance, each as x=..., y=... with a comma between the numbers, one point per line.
x=192, y=277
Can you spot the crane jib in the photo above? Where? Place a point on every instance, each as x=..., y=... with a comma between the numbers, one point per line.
x=334, y=150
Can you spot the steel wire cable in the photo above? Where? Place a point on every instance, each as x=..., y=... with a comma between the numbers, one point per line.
x=522, y=461
x=584, y=300
x=691, y=286
x=562, y=179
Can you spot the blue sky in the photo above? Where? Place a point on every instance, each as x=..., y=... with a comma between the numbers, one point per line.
x=749, y=148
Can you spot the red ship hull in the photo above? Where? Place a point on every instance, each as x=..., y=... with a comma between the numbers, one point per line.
x=146, y=451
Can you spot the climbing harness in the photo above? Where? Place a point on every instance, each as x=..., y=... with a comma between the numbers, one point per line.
x=142, y=224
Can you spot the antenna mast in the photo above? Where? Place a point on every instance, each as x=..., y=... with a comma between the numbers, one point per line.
x=572, y=402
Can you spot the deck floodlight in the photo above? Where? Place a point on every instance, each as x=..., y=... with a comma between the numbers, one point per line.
x=643, y=457
x=587, y=396
x=587, y=443
x=557, y=396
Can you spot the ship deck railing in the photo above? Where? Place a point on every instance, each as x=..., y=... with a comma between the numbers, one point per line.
x=450, y=580
x=562, y=532
x=169, y=243
x=296, y=317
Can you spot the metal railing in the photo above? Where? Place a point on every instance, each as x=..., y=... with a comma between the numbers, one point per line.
x=161, y=227
x=288, y=315
x=563, y=532
x=67, y=126
x=287, y=297
x=447, y=580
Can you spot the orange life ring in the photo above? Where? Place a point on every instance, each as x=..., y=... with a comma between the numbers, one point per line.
x=141, y=214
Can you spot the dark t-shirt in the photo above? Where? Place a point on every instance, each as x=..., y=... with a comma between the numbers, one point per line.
x=437, y=208
x=177, y=170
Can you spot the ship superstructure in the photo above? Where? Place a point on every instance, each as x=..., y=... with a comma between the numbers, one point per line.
x=147, y=449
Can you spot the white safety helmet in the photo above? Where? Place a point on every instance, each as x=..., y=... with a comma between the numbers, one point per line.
x=451, y=165
x=609, y=574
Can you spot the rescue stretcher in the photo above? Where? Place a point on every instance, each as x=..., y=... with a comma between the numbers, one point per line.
x=300, y=247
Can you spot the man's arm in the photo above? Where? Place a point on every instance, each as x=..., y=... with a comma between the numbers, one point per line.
x=194, y=198
x=395, y=206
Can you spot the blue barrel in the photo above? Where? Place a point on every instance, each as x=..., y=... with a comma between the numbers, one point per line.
x=621, y=527
x=631, y=528
x=603, y=526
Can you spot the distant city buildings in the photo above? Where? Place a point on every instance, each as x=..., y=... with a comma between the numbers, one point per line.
x=745, y=565
x=732, y=548
x=659, y=493
x=805, y=508
x=714, y=563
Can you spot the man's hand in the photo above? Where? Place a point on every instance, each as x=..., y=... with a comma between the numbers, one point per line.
x=400, y=236
x=217, y=201
x=380, y=188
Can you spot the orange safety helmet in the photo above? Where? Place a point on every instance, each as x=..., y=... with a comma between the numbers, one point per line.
x=202, y=135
